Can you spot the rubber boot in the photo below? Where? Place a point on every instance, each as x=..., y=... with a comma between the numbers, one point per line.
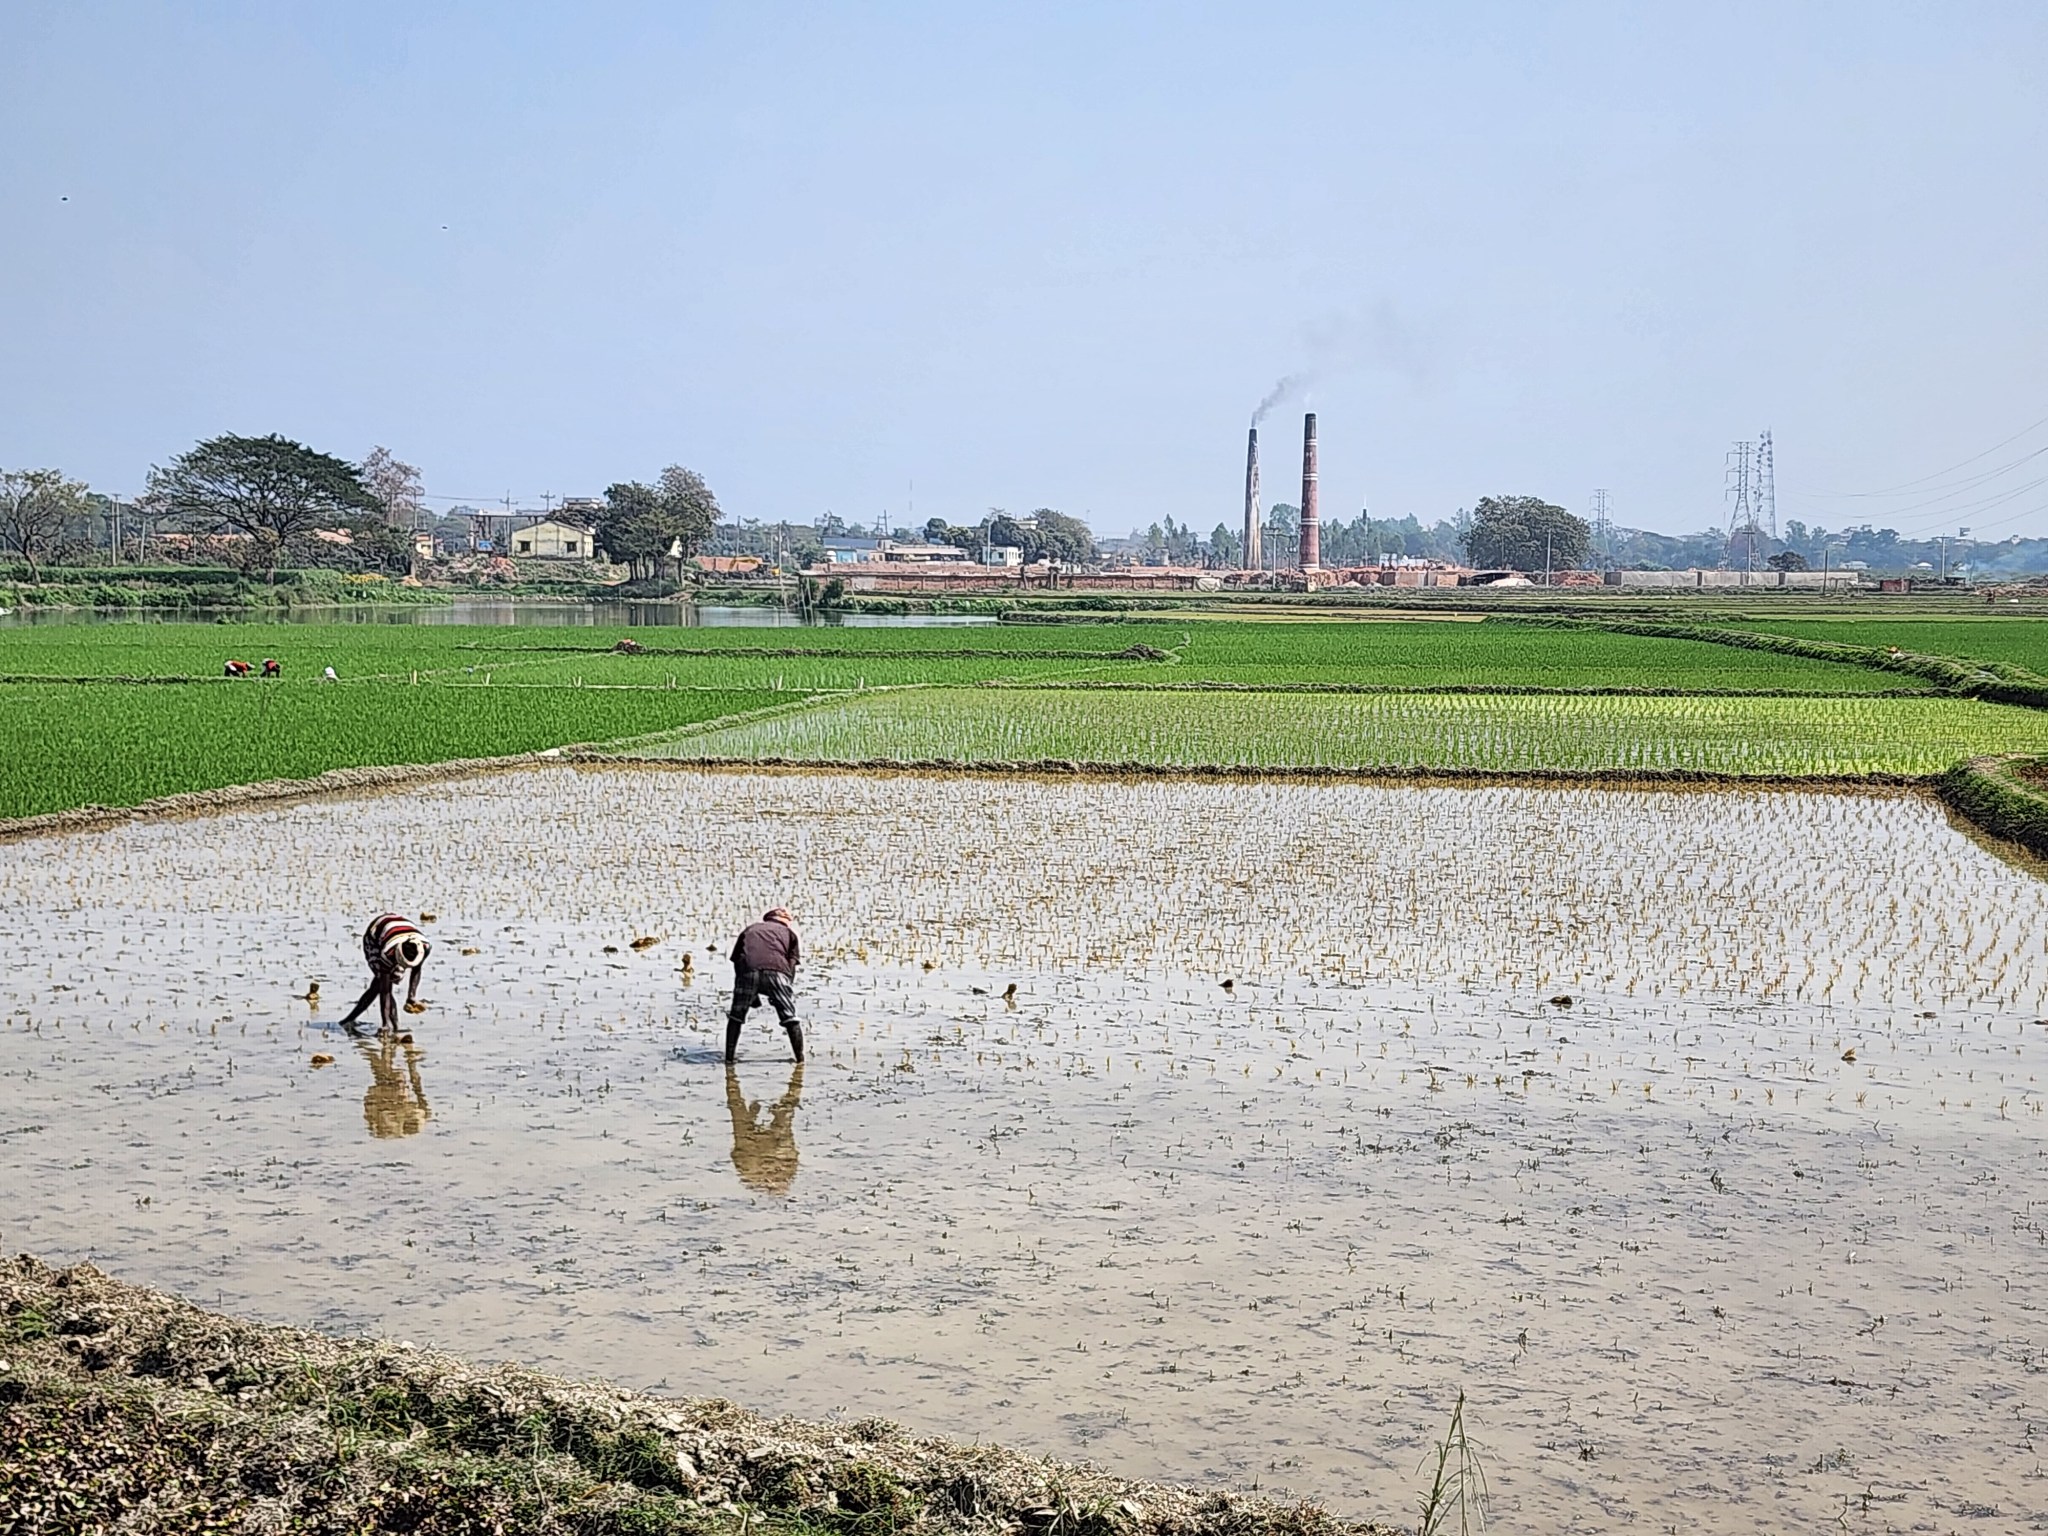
x=732, y=1039
x=796, y=1040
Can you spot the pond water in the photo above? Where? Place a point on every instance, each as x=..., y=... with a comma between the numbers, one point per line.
x=1747, y=1234
x=511, y=611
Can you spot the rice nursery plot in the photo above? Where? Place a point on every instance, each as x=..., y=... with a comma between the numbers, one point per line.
x=113, y=744
x=1482, y=732
x=1698, y=1137
x=1427, y=654
x=2023, y=641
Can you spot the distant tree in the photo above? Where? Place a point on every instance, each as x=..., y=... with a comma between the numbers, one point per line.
x=1066, y=539
x=38, y=507
x=271, y=488
x=629, y=530
x=1787, y=560
x=1526, y=533
x=1005, y=532
x=688, y=509
x=970, y=541
x=397, y=487
x=1225, y=548
x=831, y=526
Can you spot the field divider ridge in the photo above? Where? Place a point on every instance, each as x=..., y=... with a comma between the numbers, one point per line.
x=1591, y=690
x=2000, y=795
x=1070, y=768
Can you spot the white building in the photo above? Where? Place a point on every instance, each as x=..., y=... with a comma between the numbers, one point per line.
x=552, y=539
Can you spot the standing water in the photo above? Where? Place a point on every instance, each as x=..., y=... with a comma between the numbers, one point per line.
x=1697, y=1137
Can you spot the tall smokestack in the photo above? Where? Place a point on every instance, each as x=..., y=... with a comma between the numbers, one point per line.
x=1311, y=524
x=1253, y=551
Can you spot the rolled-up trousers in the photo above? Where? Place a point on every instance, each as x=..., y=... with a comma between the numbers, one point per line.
x=750, y=989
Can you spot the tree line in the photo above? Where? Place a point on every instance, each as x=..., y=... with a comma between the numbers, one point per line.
x=1514, y=532
x=1044, y=534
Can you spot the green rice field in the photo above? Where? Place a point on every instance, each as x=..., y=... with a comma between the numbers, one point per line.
x=116, y=714
x=1418, y=654
x=1763, y=737
x=109, y=744
x=2021, y=641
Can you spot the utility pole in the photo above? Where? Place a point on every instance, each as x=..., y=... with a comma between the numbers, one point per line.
x=1546, y=559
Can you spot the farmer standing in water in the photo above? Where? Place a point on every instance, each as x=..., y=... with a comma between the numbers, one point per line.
x=764, y=960
x=395, y=950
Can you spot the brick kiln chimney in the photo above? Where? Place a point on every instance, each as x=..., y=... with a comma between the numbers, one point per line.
x=1253, y=550
x=1311, y=524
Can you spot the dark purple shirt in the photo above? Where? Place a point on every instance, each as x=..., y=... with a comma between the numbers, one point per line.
x=766, y=946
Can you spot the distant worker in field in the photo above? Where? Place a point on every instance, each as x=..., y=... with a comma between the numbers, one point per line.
x=235, y=669
x=764, y=961
x=395, y=949
x=272, y=667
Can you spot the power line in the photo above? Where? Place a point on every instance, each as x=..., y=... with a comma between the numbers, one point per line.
x=1911, y=485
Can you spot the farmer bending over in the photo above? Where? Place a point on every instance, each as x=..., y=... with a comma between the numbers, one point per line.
x=764, y=970
x=393, y=947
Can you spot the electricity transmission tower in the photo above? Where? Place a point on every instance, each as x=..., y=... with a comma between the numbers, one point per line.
x=1745, y=476
x=1766, y=485
x=1603, y=527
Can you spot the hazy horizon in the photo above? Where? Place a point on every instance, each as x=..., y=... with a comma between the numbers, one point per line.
x=1049, y=257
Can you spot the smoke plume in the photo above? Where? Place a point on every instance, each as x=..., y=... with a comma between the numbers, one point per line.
x=1341, y=343
x=1289, y=385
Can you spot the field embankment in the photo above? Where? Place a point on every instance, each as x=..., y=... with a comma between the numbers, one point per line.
x=123, y=1408
x=2006, y=796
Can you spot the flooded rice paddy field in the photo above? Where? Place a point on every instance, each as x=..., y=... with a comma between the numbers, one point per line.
x=1750, y=1234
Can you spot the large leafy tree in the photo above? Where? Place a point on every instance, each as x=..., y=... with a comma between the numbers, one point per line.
x=630, y=529
x=688, y=509
x=37, y=508
x=271, y=488
x=1225, y=548
x=644, y=525
x=1526, y=533
x=1005, y=532
x=1065, y=538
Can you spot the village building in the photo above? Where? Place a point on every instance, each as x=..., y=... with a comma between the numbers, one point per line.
x=552, y=539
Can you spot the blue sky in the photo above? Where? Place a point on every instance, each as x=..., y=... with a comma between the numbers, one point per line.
x=1040, y=255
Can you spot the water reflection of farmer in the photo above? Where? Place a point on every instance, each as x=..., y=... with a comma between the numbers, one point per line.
x=395, y=1104
x=765, y=1155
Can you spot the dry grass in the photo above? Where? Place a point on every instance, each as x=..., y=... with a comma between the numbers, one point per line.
x=125, y=1408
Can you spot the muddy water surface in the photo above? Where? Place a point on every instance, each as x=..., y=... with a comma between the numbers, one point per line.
x=1747, y=1235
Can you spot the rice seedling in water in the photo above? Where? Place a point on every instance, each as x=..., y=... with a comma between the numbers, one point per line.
x=1123, y=1213
x=1457, y=1488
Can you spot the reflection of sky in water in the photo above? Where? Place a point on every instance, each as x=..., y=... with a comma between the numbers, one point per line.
x=1692, y=1265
